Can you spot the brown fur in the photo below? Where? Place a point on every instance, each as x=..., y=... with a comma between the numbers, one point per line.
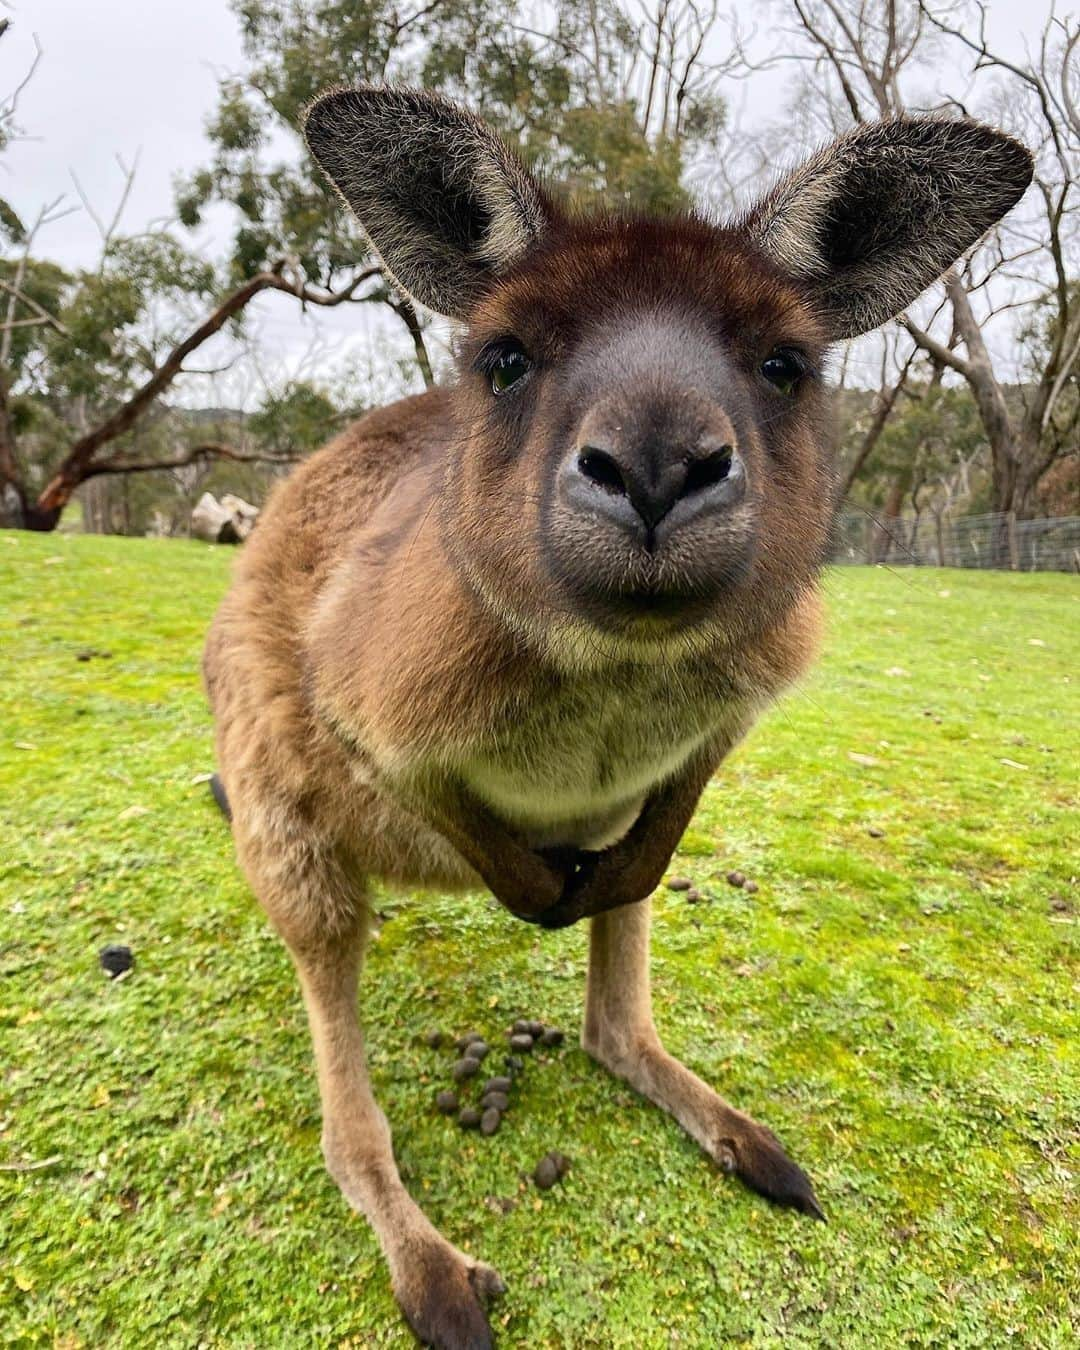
x=432, y=670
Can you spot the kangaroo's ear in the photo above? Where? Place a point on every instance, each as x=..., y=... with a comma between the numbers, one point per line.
x=875, y=218
x=443, y=201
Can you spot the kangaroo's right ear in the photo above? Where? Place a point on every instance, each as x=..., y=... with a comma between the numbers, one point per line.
x=445, y=204
x=876, y=217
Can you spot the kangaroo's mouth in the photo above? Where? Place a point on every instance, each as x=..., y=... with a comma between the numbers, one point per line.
x=655, y=597
x=649, y=587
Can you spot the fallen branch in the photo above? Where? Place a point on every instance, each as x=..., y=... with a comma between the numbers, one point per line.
x=31, y=1166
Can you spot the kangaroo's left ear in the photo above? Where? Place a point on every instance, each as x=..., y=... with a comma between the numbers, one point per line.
x=872, y=220
x=444, y=202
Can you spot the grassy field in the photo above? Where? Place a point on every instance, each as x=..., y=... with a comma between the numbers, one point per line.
x=902, y=1008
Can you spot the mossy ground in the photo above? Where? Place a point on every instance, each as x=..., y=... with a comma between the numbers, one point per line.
x=902, y=1010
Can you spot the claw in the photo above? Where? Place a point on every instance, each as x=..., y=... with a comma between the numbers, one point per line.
x=487, y=1282
x=442, y=1298
x=561, y=915
x=760, y=1162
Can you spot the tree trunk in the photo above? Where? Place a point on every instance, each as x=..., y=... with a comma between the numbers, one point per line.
x=95, y=506
x=989, y=398
x=79, y=463
x=886, y=527
x=939, y=533
x=1034, y=462
x=12, y=494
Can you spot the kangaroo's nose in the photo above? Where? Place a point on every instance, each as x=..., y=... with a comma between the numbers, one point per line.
x=654, y=494
x=651, y=466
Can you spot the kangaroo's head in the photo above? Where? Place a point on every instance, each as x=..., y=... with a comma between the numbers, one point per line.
x=641, y=443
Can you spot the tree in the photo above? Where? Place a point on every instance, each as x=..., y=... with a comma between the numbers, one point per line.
x=923, y=459
x=605, y=101
x=84, y=358
x=114, y=344
x=608, y=100
x=1041, y=96
x=866, y=57
x=244, y=454
x=295, y=420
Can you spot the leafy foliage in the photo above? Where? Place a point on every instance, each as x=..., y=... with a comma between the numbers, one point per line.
x=12, y=229
x=116, y=324
x=122, y=318
x=557, y=93
x=45, y=283
x=932, y=439
x=295, y=420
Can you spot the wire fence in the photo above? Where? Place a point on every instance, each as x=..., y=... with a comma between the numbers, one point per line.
x=997, y=540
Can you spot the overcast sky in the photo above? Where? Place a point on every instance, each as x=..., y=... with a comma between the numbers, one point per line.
x=139, y=77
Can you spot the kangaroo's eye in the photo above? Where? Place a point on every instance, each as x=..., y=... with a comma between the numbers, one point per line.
x=785, y=368
x=508, y=371
x=506, y=365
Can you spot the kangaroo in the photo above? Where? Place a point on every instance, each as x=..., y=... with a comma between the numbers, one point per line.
x=502, y=634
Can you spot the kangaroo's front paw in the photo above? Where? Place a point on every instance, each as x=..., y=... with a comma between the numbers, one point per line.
x=755, y=1155
x=442, y=1293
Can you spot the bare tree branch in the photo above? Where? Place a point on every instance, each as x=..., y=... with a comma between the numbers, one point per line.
x=10, y=105
x=404, y=309
x=107, y=231
x=42, y=314
x=885, y=402
x=936, y=350
x=212, y=450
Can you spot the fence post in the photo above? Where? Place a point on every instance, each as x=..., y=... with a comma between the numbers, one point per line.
x=1014, y=556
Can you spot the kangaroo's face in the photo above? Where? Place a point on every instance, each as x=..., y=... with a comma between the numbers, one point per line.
x=642, y=433
x=641, y=448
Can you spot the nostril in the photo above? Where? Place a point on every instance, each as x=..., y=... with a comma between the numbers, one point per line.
x=600, y=468
x=707, y=471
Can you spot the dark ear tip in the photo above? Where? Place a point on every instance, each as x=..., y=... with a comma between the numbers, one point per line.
x=1019, y=162
x=1015, y=160
x=323, y=108
x=929, y=130
x=999, y=161
x=352, y=103
x=1015, y=166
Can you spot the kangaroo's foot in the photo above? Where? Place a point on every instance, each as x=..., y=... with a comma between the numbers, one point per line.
x=736, y=1142
x=443, y=1294
x=619, y=1034
x=318, y=906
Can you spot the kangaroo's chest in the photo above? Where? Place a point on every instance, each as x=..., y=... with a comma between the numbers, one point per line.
x=575, y=765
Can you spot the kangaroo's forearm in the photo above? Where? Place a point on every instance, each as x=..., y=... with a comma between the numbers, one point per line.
x=518, y=877
x=632, y=869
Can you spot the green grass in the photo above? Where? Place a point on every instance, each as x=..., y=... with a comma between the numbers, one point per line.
x=902, y=1010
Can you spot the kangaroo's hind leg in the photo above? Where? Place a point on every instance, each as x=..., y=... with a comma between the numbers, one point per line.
x=318, y=907
x=619, y=1033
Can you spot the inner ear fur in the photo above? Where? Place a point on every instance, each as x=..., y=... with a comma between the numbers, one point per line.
x=872, y=220
x=444, y=203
